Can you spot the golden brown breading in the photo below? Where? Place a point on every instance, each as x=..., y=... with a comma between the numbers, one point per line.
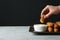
x=58, y=23
x=55, y=30
x=42, y=19
x=49, y=24
x=50, y=29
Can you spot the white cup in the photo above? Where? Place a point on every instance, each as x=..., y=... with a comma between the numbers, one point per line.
x=40, y=27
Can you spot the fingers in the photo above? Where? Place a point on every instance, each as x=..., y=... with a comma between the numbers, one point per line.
x=45, y=11
x=48, y=15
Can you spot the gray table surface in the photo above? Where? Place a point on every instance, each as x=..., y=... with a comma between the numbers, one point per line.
x=22, y=33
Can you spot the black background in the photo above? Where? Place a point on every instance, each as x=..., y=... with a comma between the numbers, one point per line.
x=23, y=12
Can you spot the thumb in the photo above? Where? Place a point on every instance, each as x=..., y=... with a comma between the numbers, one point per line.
x=48, y=15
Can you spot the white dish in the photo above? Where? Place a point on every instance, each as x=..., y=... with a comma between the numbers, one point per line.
x=39, y=27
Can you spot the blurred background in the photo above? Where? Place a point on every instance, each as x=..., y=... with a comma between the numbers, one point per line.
x=24, y=12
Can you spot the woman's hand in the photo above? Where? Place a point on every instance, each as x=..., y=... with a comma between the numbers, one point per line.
x=50, y=10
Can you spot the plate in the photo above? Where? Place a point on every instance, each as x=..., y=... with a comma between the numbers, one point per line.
x=31, y=29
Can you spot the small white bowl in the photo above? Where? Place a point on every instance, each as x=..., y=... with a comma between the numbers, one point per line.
x=40, y=27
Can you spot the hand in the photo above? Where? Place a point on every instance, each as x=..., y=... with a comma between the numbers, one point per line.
x=50, y=10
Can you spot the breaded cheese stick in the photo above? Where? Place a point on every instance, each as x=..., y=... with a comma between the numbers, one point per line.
x=42, y=19
x=50, y=24
x=55, y=27
x=58, y=23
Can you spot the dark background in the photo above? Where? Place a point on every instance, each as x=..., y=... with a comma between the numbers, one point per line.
x=23, y=12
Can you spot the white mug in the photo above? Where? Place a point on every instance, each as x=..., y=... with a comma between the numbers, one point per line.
x=40, y=27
